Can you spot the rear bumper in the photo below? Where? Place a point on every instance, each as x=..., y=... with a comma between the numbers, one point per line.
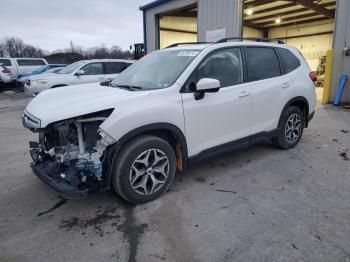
x=61, y=186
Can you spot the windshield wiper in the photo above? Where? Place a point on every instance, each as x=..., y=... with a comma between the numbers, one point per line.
x=129, y=87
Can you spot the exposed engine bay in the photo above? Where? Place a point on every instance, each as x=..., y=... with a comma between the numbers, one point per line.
x=70, y=155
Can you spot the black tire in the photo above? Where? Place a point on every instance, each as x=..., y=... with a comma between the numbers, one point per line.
x=284, y=140
x=122, y=175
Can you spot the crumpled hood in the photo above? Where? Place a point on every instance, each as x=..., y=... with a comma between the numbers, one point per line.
x=71, y=101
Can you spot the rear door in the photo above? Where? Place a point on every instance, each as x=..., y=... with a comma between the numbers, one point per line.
x=26, y=65
x=222, y=117
x=271, y=89
x=112, y=69
x=93, y=73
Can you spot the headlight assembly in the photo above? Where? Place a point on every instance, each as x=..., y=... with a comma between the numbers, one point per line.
x=40, y=81
x=105, y=138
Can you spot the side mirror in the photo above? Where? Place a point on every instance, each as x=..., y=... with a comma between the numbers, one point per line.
x=79, y=72
x=206, y=85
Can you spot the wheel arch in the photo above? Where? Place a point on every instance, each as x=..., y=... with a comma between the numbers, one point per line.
x=168, y=132
x=300, y=102
x=57, y=86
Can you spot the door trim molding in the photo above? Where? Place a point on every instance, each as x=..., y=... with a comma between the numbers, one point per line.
x=234, y=145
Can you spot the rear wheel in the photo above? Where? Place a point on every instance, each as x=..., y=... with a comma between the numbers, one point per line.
x=291, y=126
x=144, y=169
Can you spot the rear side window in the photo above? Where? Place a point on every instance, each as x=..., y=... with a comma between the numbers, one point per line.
x=30, y=62
x=115, y=68
x=262, y=63
x=288, y=60
x=5, y=62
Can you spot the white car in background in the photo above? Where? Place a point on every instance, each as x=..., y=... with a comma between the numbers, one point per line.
x=25, y=78
x=81, y=72
x=55, y=69
x=20, y=66
x=5, y=74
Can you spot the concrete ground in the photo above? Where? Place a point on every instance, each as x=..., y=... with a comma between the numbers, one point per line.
x=259, y=204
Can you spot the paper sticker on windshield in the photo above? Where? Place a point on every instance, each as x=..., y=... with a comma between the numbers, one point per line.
x=188, y=53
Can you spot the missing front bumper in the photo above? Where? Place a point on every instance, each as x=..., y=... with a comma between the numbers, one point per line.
x=66, y=189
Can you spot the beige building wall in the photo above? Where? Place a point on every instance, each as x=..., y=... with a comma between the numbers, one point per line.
x=251, y=32
x=169, y=24
x=312, y=47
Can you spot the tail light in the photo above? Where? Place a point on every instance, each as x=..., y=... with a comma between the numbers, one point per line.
x=6, y=71
x=313, y=76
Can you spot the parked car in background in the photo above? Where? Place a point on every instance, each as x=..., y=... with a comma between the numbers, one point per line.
x=48, y=68
x=20, y=66
x=174, y=107
x=55, y=69
x=5, y=74
x=81, y=72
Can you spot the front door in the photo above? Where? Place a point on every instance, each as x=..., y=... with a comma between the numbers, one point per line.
x=220, y=117
x=93, y=73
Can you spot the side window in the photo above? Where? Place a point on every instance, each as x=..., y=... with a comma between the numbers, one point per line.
x=30, y=62
x=5, y=62
x=115, y=67
x=288, y=60
x=262, y=63
x=225, y=66
x=93, y=69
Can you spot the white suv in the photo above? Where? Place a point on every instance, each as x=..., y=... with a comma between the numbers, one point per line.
x=81, y=72
x=20, y=66
x=173, y=107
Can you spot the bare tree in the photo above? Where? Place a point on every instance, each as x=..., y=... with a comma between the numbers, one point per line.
x=2, y=50
x=15, y=47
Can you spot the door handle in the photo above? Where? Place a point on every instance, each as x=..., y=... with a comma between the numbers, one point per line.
x=285, y=85
x=244, y=94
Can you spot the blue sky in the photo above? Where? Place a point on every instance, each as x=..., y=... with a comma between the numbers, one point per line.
x=53, y=24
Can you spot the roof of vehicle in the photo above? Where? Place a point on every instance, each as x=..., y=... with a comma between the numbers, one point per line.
x=107, y=60
x=229, y=43
x=32, y=58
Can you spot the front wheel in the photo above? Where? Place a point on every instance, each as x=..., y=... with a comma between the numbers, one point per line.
x=144, y=169
x=291, y=126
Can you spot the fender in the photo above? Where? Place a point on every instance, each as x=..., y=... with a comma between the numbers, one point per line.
x=178, y=134
x=293, y=100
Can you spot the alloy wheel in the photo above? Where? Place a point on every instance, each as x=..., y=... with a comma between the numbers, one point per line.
x=293, y=128
x=149, y=172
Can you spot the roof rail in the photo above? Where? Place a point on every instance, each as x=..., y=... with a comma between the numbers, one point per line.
x=187, y=43
x=256, y=39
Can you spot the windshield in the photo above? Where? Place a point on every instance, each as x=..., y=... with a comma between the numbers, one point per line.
x=157, y=70
x=71, y=68
x=40, y=69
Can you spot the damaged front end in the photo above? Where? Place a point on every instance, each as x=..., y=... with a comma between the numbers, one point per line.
x=71, y=155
